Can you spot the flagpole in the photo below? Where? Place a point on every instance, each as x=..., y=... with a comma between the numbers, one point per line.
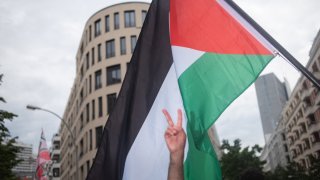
x=283, y=52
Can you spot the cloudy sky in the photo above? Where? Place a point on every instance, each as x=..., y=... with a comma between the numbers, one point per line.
x=39, y=40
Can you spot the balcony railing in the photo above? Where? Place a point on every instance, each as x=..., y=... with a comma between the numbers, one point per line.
x=306, y=93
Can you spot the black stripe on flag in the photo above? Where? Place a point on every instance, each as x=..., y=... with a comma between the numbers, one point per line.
x=149, y=66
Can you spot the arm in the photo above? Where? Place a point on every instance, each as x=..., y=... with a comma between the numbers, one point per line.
x=176, y=139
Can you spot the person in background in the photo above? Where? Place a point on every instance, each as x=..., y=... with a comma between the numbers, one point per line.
x=175, y=138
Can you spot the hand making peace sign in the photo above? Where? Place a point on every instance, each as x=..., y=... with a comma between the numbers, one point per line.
x=174, y=135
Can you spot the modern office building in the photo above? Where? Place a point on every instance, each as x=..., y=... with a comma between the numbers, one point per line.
x=272, y=95
x=27, y=167
x=54, y=173
x=301, y=115
x=108, y=41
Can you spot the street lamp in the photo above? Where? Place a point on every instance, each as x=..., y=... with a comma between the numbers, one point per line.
x=31, y=107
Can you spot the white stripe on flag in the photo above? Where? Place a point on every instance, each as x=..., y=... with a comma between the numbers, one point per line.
x=148, y=157
x=184, y=57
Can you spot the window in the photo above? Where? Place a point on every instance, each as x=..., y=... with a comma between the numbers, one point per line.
x=87, y=61
x=90, y=139
x=93, y=109
x=143, y=15
x=90, y=83
x=116, y=21
x=81, y=72
x=111, y=98
x=97, y=28
x=110, y=51
x=56, y=172
x=99, y=52
x=88, y=166
x=92, y=56
x=113, y=75
x=133, y=43
x=98, y=82
x=129, y=19
x=123, y=45
x=107, y=22
x=81, y=120
x=87, y=112
x=100, y=107
x=90, y=32
x=98, y=136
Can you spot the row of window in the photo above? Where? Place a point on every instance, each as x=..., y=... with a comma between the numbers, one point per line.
x=111, y=100
x=110, y=51
x=129, y=21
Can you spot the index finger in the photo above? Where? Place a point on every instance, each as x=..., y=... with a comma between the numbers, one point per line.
x=168, y=117
x=179, y=123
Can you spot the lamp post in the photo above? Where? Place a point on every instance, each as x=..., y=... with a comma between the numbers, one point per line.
x=31, y=107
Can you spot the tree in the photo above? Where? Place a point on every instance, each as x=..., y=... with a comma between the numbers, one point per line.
x=8, y=151
x=235, y=160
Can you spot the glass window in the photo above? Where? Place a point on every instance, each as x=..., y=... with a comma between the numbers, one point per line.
x=98, y=136
x=111, y=98
x=90, y=32
x=87, y=112
x=100, y=107
x=123, y=45
x=133, y=43
x=107, y=22
x=92, y=56
x=110, y=50
x=116, y=21
x=143, y=15
x=56, y=172
x=97, y=28
x=93, y=109
x=98, y=79
x=87, y=60
x=113, y=75
x=90, y=83
x=99, y=52
x=129, y=19
x=90, y=139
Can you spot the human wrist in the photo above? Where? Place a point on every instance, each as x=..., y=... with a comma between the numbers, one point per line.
x=176, y=157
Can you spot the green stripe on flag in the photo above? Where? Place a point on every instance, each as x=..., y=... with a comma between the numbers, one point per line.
x=207, y=87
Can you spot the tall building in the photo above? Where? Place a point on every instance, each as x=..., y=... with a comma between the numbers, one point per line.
x=301, y=115
x=27, y=167
x=108, y=40
x=272, y=96
x=55, y=158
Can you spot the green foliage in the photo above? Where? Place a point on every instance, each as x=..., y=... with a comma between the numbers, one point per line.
x=235, y=160
x=8, y=151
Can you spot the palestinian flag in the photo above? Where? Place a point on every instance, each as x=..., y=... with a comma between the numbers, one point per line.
x=199, y=58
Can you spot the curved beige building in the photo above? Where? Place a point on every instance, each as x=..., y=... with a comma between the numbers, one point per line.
x=104, y=53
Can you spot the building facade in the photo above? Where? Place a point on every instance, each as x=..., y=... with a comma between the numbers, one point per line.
x=27, y=167
x=272, y=95
x=275, y=152
x=55, y=158
x=301, y=115
x=104, y=53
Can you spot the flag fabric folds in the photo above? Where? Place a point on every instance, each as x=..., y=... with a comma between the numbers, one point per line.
x=195, y=55
x=43, y=159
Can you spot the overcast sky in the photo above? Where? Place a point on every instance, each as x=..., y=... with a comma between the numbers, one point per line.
x=39, y=40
